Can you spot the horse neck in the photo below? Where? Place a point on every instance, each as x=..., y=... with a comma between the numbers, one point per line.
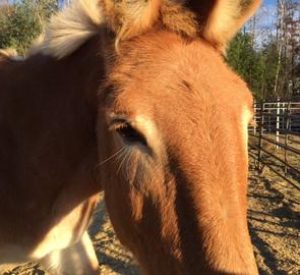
x=47, y=119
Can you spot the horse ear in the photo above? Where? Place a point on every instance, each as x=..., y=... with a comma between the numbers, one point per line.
x=220, y=20
x=128, y=18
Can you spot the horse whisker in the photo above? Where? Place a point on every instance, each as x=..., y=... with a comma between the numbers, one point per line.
x=112, y=156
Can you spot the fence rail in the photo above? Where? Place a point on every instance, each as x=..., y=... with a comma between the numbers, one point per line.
x=274, y=138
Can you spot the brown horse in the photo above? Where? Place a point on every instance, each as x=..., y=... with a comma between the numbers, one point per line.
x=47, y=155
x=134, y=97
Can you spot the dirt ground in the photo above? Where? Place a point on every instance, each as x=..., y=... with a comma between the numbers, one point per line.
x=274, y=220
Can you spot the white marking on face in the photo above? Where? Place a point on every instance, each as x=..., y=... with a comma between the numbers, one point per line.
x=148, y=128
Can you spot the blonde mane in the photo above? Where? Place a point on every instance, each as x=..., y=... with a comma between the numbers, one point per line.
x=69, y=29
x=8, y=53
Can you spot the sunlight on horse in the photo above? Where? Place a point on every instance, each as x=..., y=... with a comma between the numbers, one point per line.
x=132, y=97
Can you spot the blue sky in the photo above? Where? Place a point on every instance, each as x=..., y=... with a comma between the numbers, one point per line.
x=265, y=21
x=269, y=2
x=267, y=14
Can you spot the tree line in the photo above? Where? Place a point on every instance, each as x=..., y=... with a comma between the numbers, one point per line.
x=269, y=58
x=269, y=61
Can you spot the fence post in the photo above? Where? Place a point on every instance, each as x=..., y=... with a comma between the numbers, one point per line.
x=286, y=137
x=254, y=118
x=260, y=128
x=277, y=121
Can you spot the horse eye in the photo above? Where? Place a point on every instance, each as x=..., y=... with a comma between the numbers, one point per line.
x=131, y=135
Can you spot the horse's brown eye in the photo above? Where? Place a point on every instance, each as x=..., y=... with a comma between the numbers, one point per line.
x=131, y=135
